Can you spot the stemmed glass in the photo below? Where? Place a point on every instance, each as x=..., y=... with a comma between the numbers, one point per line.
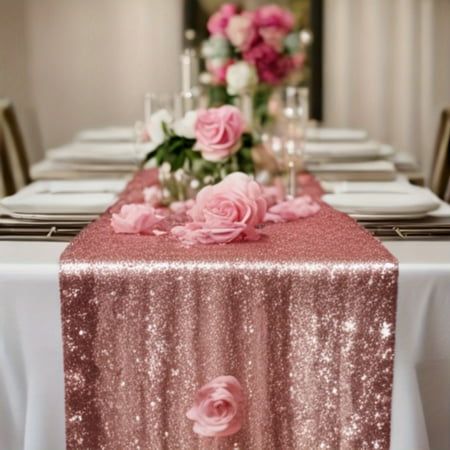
x=285, y=137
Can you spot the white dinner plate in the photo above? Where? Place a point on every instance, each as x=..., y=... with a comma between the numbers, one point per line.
x=114, y=186
x=385, y=204
x=388, y=216
x=73, y=203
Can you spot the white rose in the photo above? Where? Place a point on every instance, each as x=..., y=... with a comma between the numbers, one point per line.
x=241, y=78
x=185, y=127
x=154, y=126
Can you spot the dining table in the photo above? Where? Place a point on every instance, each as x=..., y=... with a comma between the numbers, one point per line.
x=31, y=350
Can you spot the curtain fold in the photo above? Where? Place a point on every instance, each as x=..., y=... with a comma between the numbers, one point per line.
x=387, y=69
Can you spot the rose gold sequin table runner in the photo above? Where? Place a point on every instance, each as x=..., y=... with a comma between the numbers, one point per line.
x=303, y=318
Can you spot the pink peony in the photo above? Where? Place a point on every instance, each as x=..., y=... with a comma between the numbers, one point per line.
x=218, y=22
x=273, y=16
x=218, y=132
x=292, y=209
x=274, y=37
x=271, y=66
x=136, y=219
x=217, y=410
x=241, y=30
x=152, y=195
x=225, y=212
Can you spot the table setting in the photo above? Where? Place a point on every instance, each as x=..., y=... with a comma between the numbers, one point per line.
x=225, y=273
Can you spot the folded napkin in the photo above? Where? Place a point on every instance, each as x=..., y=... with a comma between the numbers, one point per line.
x=399, y=186
x=78, y=203
x=106, y=185
x=106, y=153
x=56, y=170
x=335, y=134
x=109, y=134
x=365, y=149
x=353, y=171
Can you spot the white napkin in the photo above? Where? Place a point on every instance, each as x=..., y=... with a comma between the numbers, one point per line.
x=365, y=149
x=76, y=186
x=369, y=166
x=335, y=134
x=108, y=134
x=110, y=153
x=79, y=203
x=399, y=186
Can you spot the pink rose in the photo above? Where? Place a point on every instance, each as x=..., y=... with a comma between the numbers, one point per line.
x=152, y=195
x=217, y=410
x=292, y=209
x=272, y=67
x=241, y=30
x=225, y=212
x=218, y=132
x=236, y=199
x=274, y=16
x=136, y=219
x=218, y=22
x=218, y=69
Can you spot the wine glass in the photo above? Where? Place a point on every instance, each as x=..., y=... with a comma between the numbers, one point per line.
x=285, y=137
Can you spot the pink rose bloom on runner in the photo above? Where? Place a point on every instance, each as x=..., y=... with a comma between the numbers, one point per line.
x=241, y=30
x=136, y=219
x=218, y=22
x=225, y=212
x=217, y=410
x=292, y=209
x=218, y=132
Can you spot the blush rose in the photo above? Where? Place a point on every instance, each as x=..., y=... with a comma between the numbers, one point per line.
x=217, y=410
x=218, y=132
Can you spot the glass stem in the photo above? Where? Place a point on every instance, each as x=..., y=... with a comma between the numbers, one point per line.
x=292, y=181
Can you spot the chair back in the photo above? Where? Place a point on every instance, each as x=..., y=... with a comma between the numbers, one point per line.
x=440, y=175
x=13, y=156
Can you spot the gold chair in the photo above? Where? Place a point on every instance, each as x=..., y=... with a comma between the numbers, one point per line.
x=440, y=175
x=13, y=156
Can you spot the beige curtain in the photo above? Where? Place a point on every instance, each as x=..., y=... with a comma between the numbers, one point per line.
x=387, y=69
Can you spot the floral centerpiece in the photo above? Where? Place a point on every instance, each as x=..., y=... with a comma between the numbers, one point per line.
x=251, y=52
x=200, y=149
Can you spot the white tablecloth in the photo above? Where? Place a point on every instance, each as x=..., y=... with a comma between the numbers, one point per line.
x=31, y=373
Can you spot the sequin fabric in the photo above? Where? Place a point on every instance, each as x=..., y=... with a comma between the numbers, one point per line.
x=303, y=318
